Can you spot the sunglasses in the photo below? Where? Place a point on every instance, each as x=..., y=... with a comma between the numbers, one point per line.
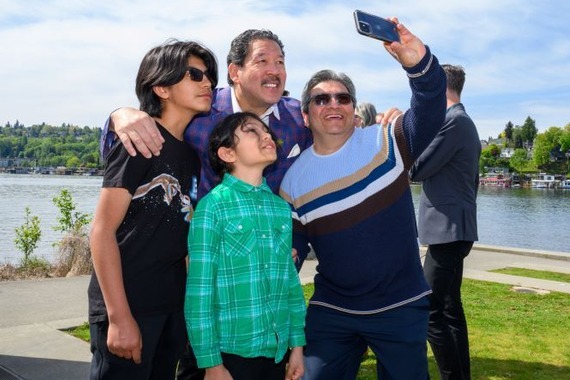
x=321, y=100
x=197, y=75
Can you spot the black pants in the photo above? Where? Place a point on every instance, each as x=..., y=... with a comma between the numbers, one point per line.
x=259, y=368
x=240, y=368
x=188, y=367
x=163, y=343
x=447, y=333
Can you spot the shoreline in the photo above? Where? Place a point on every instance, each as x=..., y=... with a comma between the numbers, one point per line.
x=15, y=257
x=556, y=255
x=525, y=219
x=77, y=172
x=8, y=271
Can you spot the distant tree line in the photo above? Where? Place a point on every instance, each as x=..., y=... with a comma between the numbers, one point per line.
x=530, y=151
x=71, y=146
x=46, y=145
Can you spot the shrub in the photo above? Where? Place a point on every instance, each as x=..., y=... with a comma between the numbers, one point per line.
x=27, y=236
x=74, y=255
x=69, y=220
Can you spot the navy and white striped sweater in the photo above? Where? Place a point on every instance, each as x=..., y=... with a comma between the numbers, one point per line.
x=355, y=207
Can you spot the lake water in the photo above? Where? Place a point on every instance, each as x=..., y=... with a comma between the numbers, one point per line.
x=36, y=192
x=524, y=218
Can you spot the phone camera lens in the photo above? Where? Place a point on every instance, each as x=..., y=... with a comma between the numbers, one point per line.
x=365, y=27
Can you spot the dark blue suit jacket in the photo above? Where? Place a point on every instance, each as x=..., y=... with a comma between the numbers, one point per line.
x=449, y=172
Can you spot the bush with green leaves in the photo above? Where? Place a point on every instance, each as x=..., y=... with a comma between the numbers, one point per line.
x=27, y=237
x=69, y=219
x=74, y=255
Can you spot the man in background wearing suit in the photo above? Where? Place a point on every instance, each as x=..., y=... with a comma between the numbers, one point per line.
x=449, y=172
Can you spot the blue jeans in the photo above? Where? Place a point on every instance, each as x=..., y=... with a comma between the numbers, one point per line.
x=337, y=341
x=447, y=334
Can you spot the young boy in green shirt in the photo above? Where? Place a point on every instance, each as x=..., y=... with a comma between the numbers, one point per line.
x=244, y=304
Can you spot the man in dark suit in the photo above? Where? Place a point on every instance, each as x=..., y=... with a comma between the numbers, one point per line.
x=449, y=172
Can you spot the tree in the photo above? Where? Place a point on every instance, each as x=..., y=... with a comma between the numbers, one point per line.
x=528, y=131
x=519, y=160
x=489, y=156
x=6, y=147
x=544, y=144
x=74, y=255
x=565, y=139
x=73, y=162
x=46, y=145
x=69, y=219
x=27, y=237
x=517, y=138
x=509, y=131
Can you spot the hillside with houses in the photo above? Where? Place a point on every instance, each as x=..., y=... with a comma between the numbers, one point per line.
x=515, y=157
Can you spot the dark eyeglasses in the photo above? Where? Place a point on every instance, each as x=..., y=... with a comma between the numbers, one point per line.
x=321, y=100
x=196, y=74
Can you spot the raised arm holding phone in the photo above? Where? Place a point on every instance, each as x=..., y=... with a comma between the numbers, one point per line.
x=351, y=201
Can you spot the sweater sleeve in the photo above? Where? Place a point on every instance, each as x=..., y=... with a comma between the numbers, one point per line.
x=426, y=114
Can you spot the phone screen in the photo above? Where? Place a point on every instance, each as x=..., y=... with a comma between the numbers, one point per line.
x=375, y=27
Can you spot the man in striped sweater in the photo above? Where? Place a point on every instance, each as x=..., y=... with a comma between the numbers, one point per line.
x=351, y=201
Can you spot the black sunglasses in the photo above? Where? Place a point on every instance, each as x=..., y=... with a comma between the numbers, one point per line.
x=342, y=98
x=197, y=75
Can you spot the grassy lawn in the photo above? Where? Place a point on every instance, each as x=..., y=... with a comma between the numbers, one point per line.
x=519, y=336
x=81, y=332
x=539, y=274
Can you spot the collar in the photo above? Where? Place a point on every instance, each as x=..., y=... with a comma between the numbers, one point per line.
x=244, y=187
x=453, y=106
x=265, y=116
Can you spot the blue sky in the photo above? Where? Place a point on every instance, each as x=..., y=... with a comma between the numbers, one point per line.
x=73, y=62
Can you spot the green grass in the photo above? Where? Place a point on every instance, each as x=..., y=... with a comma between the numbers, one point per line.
x=540, y=274
x=518, y=336
x=512, y=335
x=515, y=335
x=81, y=332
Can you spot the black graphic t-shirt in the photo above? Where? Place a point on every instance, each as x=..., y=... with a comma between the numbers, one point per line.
x=153, y=235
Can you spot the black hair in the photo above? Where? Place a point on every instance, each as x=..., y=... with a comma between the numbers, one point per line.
x=165, y=65
x=240, y=46
x=224, y=135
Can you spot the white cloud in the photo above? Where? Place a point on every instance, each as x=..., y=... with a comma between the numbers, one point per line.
x=75, y=61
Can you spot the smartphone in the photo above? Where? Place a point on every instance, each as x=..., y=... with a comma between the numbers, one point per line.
x=375, y=27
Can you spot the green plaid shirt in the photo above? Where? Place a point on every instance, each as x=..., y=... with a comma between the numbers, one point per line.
x=243, y=294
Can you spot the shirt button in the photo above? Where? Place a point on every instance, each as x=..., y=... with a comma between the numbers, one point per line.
x=263, y=236
x=240, y=227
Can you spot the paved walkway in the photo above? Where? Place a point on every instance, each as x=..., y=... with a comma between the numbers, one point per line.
x=32, y=313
